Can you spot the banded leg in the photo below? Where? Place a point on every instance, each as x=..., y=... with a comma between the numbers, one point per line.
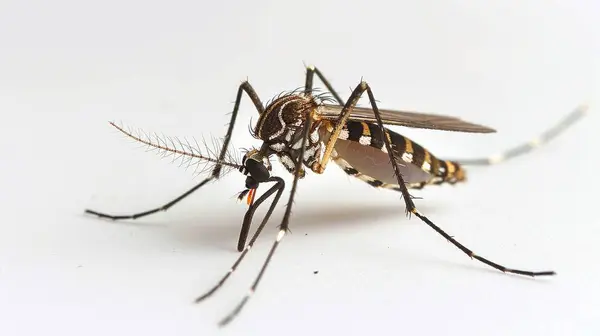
x=310, y=71
x=278, y=187
x=283, y=228
x=410, y=206
x=244, y=87
x=319, y=167
x=527, y=147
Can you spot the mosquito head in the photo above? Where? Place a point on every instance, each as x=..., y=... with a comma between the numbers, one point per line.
x=257, y=167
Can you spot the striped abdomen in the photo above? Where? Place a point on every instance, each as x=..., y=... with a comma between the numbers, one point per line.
x=361, y=152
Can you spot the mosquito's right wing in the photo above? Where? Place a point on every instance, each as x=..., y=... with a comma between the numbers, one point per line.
x=405, y=118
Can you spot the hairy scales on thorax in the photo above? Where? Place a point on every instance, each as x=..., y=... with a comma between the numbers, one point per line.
x=280, y=128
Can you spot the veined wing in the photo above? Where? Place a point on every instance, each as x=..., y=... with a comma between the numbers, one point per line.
x=406, y=118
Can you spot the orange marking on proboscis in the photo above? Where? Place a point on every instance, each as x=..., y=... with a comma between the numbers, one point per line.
x=250, y=198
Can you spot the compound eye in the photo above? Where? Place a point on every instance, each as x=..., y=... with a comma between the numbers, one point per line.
x=257, y=170
x=251, y=155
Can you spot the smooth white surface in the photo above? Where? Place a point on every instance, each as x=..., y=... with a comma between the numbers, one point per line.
x=67, y=67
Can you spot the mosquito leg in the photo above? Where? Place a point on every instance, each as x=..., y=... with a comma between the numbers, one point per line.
x=283, y=228
x=410, y=206
x=244, y=87
x=149, y=212
x=527, y=147
x=311, y=70
x=319, y=167
x=278, y=187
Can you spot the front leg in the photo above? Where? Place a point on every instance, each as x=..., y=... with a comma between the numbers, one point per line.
x=283, y=228
x=244, y=87
x=216, y=172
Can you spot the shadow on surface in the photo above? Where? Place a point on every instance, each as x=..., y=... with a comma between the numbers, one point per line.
x=214, y=227
x=222, y=230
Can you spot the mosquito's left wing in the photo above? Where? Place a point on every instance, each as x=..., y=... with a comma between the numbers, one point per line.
x=405, y=118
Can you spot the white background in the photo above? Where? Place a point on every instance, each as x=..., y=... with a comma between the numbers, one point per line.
x=68, y=67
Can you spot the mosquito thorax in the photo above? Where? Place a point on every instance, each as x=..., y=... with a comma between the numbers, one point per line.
x=283, y=116
x=280, y=128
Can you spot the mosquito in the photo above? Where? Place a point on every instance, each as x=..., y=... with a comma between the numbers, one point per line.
x=306, y=130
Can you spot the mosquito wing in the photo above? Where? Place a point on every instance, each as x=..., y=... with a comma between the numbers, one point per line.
x=406, y=118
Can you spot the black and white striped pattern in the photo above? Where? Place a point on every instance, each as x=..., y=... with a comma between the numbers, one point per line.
x=368, y=134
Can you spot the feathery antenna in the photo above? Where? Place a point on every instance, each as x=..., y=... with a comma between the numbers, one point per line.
x=189, y=154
